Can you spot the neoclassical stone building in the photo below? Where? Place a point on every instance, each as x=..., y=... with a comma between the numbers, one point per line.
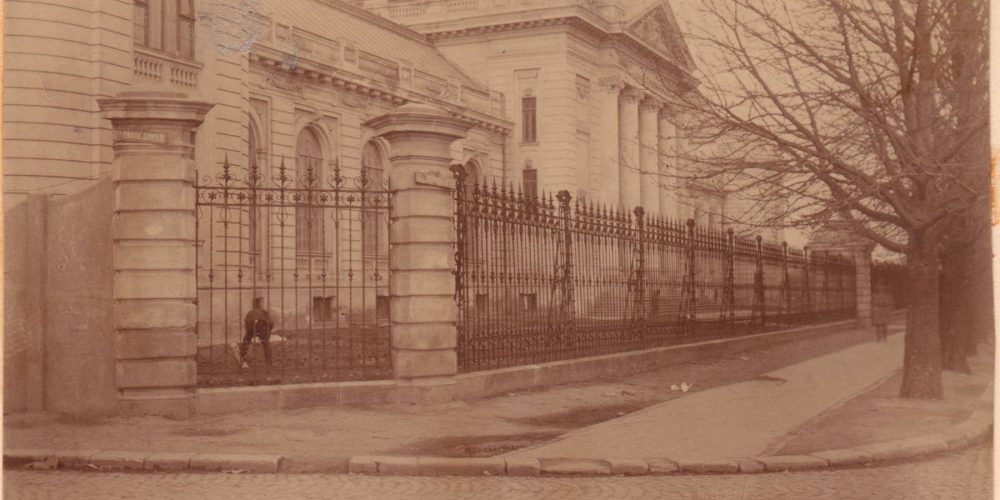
x=115, y=110
x=588, y=85
x=289, y=86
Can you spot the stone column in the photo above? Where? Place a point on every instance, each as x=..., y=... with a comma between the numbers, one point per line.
x=154, y=250
x=667, y=152
x=862, y=254
x=649, y=155
x=421, y=249
x=606, y=138
x=628, y=149
x=863, y=285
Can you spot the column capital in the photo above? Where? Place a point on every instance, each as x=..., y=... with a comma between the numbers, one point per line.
x=164, y=118
x=631, y=94
x=419, y=120
x=611, y=83
x=651, y=103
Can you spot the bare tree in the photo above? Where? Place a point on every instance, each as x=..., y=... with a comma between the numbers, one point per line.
x=866, y=114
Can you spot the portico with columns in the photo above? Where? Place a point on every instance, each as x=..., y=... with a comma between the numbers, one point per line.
x=594, y=79
x=646, y=139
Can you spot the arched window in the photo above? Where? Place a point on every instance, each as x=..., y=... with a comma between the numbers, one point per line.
x=308, y=219
x=164, y=25
x=376, y=237
x=257, y=237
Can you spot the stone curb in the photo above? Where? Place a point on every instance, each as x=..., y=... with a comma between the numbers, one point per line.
x=978, y=428
x=114, y=460
x=974, y=431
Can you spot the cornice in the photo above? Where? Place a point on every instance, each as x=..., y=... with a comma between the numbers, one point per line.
x=323, y=75
x=575, y=20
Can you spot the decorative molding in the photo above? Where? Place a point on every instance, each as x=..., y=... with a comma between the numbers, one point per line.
x=632, y=94
x=611, y=83
x=582, y=87
x=358, y=92
x=651, y=103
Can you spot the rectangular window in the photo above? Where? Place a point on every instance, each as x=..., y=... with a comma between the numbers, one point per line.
x=381, y=307
x=185, y=37
x=140, y=23
x=529, y=178
x=528, y=121
x=322, y=308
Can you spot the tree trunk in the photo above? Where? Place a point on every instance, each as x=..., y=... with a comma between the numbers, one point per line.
x=955, y=320
x=981, y=308
x=922, y=351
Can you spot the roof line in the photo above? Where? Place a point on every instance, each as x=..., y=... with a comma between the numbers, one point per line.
x=376, y=19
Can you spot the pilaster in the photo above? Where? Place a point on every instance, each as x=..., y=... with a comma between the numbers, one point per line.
x=606, y=143
x=424, y=334
x=649, y=178
x=628, y=148
x=667, y=159
x=861, y=252
x=154, y=248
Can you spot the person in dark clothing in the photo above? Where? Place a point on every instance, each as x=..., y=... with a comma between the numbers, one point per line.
x=257, y=323
x=881, y=311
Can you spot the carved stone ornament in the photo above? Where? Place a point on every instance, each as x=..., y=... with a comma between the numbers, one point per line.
x=284, y=81
x=434, y=178
x=654, y=29
x=611, y=83
x=352, y=100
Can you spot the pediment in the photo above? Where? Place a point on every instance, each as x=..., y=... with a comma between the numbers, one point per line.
x=658, y=28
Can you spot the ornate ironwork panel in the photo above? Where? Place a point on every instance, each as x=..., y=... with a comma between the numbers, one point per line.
x=310, y=254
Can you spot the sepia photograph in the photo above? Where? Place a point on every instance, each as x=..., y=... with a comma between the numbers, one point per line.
x=498, y=249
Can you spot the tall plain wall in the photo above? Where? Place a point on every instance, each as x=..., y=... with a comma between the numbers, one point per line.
x=59, y=56
x=59, y=341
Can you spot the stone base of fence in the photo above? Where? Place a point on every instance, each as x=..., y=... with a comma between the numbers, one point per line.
x=487, y=383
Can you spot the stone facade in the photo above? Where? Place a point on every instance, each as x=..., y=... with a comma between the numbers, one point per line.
x=115, y=111
x=600, y=75
x=266, y=72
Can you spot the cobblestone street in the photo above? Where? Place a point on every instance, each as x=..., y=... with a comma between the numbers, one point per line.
x=964, y=475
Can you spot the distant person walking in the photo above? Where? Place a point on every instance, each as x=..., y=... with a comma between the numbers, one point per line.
x=881, y=311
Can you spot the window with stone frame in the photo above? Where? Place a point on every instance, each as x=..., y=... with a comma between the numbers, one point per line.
x=529, y=182
x=140, y=22
x=164, y=25
x=375, y=241
x=309, y=239
x=529, y=121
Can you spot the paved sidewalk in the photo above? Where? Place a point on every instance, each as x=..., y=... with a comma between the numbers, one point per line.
x=742, y=419
x=742, y=409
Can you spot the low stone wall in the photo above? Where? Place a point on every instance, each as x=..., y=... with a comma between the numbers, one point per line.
x=492, y=382
x=59, y=334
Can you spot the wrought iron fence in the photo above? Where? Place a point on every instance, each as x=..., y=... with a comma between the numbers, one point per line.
x=543, y=279
x=310, y=252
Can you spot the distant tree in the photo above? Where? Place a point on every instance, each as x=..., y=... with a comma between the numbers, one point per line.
x=866, y=114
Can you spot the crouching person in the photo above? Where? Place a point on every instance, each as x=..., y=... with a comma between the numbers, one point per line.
x=257, y=323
